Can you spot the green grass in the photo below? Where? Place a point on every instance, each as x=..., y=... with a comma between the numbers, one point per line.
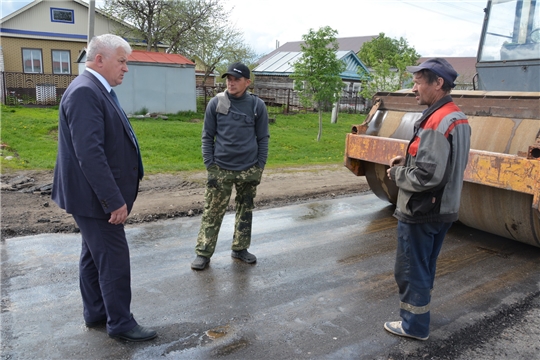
x=30, y=136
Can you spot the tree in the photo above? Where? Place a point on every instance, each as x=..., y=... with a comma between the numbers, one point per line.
x=152, y=19
x=387, y=59
x=198, y=29
x=316, y=73
x=218, y=47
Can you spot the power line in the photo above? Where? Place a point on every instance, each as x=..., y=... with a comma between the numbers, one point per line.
x=448, y=3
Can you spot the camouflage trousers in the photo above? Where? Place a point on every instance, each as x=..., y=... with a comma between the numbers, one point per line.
x=216, y=199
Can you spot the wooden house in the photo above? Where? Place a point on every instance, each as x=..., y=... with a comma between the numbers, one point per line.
x=273, y=84
x=353, y=43
x=210, y=80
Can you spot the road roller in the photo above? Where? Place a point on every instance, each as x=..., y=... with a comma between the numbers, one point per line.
x=501, y=190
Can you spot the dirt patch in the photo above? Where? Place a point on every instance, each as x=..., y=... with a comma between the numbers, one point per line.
x=30, y=210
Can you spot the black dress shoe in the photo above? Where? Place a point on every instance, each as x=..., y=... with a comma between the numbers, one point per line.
x=138, y=333
x=94, y=324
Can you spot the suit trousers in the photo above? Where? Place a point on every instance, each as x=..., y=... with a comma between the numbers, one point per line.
x=105, y=274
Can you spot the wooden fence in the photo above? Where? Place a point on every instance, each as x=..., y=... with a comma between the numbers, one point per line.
x=287, y=99
x=47, y=89
x=33, y=89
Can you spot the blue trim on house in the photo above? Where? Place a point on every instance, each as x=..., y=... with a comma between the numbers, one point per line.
x=280, y=64
x=350, y=75
x=40, y=33
x=63, y=21
x=271, y=73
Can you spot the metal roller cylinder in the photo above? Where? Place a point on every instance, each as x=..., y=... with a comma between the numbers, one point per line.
x=501, y=211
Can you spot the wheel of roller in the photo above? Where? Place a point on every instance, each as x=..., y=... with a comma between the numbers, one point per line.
x=502, y=212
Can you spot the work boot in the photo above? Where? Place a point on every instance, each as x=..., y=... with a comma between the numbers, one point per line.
x=244, y=255
x=395, y=328
x=200, y=262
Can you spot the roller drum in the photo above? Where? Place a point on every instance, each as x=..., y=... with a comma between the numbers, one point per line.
x=499, y=211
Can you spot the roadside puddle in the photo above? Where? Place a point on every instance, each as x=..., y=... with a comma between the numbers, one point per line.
x=218, y=332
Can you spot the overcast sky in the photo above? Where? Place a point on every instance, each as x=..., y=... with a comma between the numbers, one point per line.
x=432, y=27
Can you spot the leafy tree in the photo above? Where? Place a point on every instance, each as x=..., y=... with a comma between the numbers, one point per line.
x=152, y=19
x=218, y=47
x=198, y=29
x=387, y=59
x=316, y=73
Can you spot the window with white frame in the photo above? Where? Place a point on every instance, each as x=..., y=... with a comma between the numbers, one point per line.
x=300, y=87
x=32, y=61
x=345, y=89
x=61, y=62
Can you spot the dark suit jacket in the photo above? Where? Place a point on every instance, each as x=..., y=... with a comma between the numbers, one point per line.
x=96, y=169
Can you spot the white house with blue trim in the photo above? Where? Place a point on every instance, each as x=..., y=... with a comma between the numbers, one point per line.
x=46, y=37
x=40, y=44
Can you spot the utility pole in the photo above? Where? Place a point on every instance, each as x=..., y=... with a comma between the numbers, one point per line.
x=91, y=19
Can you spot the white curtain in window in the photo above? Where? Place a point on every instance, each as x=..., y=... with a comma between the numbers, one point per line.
x=32, y=61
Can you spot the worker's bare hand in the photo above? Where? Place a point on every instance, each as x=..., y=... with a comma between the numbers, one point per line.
x=119, y=216
x=397, y=161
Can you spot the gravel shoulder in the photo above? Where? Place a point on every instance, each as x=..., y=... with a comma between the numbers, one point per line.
x=27, y=208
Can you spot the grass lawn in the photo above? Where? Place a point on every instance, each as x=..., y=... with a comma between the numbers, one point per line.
x=29, y=136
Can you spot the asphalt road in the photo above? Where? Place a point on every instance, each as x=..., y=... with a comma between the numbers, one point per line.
x=322, y=288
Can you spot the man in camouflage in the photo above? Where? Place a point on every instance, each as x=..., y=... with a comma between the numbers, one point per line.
x=235, y=148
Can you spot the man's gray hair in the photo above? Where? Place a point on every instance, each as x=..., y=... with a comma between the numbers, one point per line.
x=106, y=44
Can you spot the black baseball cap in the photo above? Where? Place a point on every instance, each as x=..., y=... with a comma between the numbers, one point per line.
x=439, y=66
x=237, y=70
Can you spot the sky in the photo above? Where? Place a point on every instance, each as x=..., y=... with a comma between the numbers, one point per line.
x=433, y=27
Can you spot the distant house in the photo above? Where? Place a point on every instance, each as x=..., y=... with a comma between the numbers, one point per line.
x=274, y=74
x=344, y=44
x=156, y=82
x=210, y=80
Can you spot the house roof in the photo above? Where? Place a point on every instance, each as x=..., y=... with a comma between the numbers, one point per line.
x=202, y=72
x=150, y=57
x=464, y=66
x=21, y=10
x=35, y=2
x=344, y=44
x=158, y=58
x=282, y=64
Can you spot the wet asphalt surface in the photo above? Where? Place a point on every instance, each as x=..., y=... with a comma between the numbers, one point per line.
x=322, y=288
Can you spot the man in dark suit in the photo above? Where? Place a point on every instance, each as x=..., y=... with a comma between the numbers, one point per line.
x=96, y=179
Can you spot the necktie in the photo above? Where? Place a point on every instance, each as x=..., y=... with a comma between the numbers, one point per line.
x=131, y=132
